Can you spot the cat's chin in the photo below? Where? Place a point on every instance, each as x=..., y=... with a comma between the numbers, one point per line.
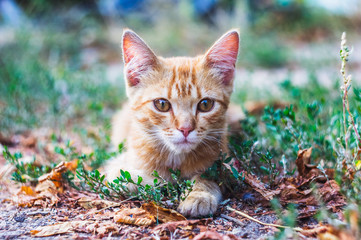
x=183, y=147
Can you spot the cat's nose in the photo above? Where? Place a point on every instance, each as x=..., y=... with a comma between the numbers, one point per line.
x=186, y=130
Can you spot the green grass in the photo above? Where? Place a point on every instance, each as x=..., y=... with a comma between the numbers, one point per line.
x=38, y=92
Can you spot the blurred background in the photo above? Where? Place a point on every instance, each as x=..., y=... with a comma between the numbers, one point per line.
x=61, y=65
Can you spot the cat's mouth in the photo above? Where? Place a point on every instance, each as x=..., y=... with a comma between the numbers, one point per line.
x=184, y=142
x=184, y=146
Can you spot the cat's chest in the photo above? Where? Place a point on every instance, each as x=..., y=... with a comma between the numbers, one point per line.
x=175, y=161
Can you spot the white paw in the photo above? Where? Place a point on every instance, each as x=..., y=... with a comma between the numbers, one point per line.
x=198, y=204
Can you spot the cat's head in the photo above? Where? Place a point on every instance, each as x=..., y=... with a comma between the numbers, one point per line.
x=180, y=102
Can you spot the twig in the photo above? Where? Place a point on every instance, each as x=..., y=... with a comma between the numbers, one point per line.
x=232, y=219
x=297, y=229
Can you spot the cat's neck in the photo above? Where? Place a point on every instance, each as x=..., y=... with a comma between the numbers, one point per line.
x=154, y=155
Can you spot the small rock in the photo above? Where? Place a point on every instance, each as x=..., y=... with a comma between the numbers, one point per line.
x=20, y=217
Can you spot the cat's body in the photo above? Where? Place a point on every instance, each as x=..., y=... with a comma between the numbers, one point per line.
x=176, y=116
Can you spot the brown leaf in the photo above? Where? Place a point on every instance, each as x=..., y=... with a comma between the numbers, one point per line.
x=46, y=194
x=172, y=226
x=314, y=232
x=331, y=195
x=291, y=194
x=47, y=191
x=303, y=158
x=258, y=186
x=27, y=190
x=134, y=216
x=163, y=214
x=55, y=174
x=333, y=233
x=28, y=141
x=307, y=211
x=101, y=227
x=59, y=228
x=72, y=165
x=89, y=203
x=210, y=235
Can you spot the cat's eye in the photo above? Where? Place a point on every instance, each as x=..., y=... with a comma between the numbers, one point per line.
x=205, y=105
x=162, y=105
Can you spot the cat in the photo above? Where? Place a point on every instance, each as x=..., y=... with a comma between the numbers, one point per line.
x=175, y=116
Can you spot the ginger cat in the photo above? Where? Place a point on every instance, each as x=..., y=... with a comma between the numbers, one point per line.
x=175, y=116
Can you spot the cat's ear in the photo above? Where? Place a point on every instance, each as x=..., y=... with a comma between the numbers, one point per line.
x=138, y=58
x=222, y=56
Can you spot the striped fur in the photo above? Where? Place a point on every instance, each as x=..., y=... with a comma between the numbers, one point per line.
x=153, y=138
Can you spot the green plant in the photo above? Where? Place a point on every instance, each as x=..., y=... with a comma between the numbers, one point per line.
x=25, y=172
x=224, y=173
x=350, y=141
x=158, y=192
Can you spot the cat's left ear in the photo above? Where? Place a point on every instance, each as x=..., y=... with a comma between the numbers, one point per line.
x=222, y=56
x=139, y=59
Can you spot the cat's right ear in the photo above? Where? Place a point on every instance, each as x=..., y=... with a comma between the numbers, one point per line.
x=138, y=58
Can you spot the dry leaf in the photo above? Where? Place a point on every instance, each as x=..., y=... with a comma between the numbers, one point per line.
x=163, y=214
x=172, y=226
x=106, y=227
x=331, y=195
x=333, y=233
x=55, y=175
x=72, y=165
x=258, y=186
x=46, y=194
x=89, y=203
x=29, y=141
x=134, y=216
x=59, y=228
x=27, y=190
x=314, y=232
x=212, y=235
x=303, y=158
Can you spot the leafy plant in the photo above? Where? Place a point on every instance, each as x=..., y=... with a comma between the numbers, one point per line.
x=158, y=192
x=25, y=171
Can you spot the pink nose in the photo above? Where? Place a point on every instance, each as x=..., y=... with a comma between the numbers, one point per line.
x=186, y=130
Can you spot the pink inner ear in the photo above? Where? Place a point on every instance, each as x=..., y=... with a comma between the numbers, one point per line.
x=138, y=57
x=223, y=56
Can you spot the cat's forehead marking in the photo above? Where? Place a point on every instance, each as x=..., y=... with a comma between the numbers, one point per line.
x=183, y=79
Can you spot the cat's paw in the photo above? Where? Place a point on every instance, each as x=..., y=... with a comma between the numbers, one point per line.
x=198, y=204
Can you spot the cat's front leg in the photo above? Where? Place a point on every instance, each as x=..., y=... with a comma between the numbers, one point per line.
x=126, y=162
x=202, y=200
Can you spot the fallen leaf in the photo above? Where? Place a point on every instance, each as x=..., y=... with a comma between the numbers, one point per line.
x=331, y=195
x=59, y=228
x=27, y=190
x=314, y=232
x=89, y=203
x=172, y=226
x=163, y=214
x=72, y=165
x=134, y=216
x=29, y=141
x=210, y=235
x=55, y=175
x=303, y=158
x=258, y=186
x=333, y=233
